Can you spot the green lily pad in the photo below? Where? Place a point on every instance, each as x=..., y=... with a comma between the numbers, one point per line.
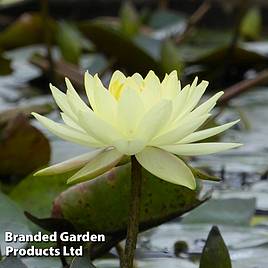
x=42, y=262
x=12, y=219
x=12, y=262
x=82, y=262
x=36, y=194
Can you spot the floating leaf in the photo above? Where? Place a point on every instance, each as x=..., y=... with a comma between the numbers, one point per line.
x=215, y=252
x=42, y=262
x=13, y=220
x=101, y=205
x=18, y=144
x=35, y=194
x=26, y=110
x=82, y=262
x=12, y=262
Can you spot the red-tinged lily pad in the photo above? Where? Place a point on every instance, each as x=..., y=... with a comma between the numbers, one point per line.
x=23, y=148
x=101, y=205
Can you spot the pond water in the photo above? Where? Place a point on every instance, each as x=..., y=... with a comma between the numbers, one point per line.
x=247, y=244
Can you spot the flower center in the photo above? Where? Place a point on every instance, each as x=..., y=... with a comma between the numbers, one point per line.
x=116, y=89
x=118, y=86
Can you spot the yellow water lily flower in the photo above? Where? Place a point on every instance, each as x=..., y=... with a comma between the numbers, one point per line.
x=156, y=121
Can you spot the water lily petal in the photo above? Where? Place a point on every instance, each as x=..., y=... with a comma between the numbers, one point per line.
x=129, y=147
x=66, y=132
x=179, y=132
x=170, y=86
x=166, y=166
x=98, y=128
x=151, y=91
x=186, y=94
x=68, y=165
x=193, y=97
x=196, y=93
x=116, y=84
x=76, y=103
x=69, y=122
x=61, y=100
x=130, y=111
x=208, y=105
x=138, y=79
x=89, y=88
x=199, y=148
x=117, y=76
x=206, y=133
x=179, y=102
x=102, y=163
x=154, y=120
x=105, y=103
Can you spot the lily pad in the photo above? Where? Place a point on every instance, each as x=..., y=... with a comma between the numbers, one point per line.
x=35, y=194
x=101, y=205
x=42, y=262
x=12, y=219
x=82, y=262
x=12, y=262
x=18, y=144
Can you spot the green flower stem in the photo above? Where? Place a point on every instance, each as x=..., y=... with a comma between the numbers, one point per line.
x=134, y=213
